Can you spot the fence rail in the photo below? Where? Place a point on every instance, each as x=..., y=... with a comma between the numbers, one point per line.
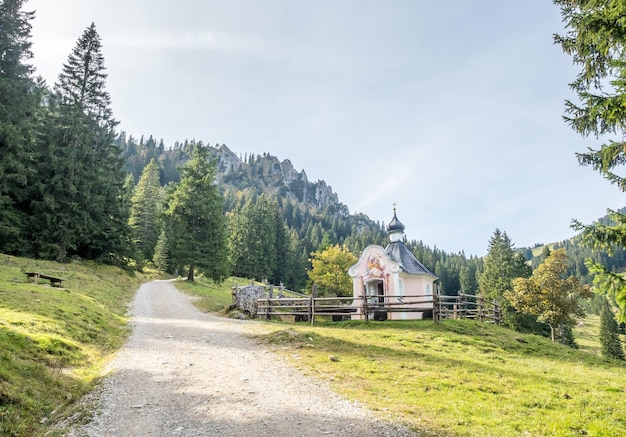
x=281, y=302
x=468, y=306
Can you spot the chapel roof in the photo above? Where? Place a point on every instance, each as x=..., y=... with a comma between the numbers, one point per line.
x=397, y=250
x=401, y=254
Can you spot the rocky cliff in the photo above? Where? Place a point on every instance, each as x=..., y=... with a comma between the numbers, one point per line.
x=268, y=173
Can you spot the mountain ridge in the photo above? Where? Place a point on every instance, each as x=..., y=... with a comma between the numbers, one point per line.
x=276, y=177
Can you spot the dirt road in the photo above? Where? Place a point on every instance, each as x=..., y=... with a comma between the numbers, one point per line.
x=187, y=373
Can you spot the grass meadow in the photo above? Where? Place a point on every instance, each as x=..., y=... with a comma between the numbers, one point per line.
x=54, y=341
x=456, y=378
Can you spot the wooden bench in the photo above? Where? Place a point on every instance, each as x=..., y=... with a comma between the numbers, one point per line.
x=53, y=281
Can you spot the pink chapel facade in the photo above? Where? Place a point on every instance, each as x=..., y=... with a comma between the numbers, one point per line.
x=392, y=275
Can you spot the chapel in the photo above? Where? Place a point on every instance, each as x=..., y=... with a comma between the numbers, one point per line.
x=392, y=275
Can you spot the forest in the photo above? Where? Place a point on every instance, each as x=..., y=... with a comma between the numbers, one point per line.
x=74, y=187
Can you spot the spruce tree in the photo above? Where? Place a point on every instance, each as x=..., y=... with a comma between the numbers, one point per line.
x=82, y=209
x=500, y=266
x=596, y=41
x=609, y=333
x=19, y=100
x=145, y=209
x=194, y=216
x=259, y=241
x=161, y=258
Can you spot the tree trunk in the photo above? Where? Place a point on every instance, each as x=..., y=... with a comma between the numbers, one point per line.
x=552, y=333
x=190, y=274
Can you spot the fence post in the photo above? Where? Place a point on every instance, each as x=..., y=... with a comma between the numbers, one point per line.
x=436, y=308
x=312, y=304
x=463, y=305
x=365, y=310
x=234, y=292
x=268, y=307
x=496, y=312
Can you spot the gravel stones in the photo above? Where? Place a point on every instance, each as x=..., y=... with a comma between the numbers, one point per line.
x=188, y=373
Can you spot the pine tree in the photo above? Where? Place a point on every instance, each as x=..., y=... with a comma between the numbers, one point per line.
x=609, y=333
x=82, y=208
x=500, y=266
x=596, y=41
x=195, y=220
x=258, y=239
x=145, y=209
x=19, y=100
x=161, y=258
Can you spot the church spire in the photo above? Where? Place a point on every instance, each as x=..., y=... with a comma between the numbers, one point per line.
x=395, y=228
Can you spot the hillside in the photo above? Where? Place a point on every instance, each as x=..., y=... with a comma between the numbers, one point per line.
x=262, y=173
x=313, y=211
x=459, y=377
x=455, y=378
x=577, y=254
x=53, y=340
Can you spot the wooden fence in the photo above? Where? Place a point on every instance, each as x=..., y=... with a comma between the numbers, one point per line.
x=467, y=306
x=437, y=307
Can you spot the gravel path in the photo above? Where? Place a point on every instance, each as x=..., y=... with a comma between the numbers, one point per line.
x=187, y=373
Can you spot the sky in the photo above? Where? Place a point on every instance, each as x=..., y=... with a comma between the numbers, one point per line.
x=450, y=109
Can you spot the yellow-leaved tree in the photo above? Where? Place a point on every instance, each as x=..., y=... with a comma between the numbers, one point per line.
x=547, y=294
x=330, y=271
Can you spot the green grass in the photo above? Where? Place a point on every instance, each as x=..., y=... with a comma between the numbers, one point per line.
x=587, y=334
x=457, y=378
x=460, y=377
x=214, y=297
x=463, y=378
x=54, y=341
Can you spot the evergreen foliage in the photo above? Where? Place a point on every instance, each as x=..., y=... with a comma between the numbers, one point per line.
x=609, y=333
x=501, y=266
x=195, y=223
x=19, y=101
x=596, y=41
x=161, y=257
x=80, y=208
x=63, y=192
x=145, y=210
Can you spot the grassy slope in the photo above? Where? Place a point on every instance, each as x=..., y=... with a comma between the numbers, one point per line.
x=464, y=377
x=53, y=341
x=455, y=378
x=460, y=378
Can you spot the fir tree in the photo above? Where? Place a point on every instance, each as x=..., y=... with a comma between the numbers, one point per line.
x=196, y=228
x=500, y=266
x=145, y=210
x=19, y=100
x=256, y=239
x=609, y=333
x=596, y=41
x=161, y=258
x=82, y=208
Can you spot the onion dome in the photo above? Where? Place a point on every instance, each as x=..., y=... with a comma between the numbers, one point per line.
x=395, y=225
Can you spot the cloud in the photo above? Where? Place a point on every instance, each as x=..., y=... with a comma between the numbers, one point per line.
x=181, y=40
